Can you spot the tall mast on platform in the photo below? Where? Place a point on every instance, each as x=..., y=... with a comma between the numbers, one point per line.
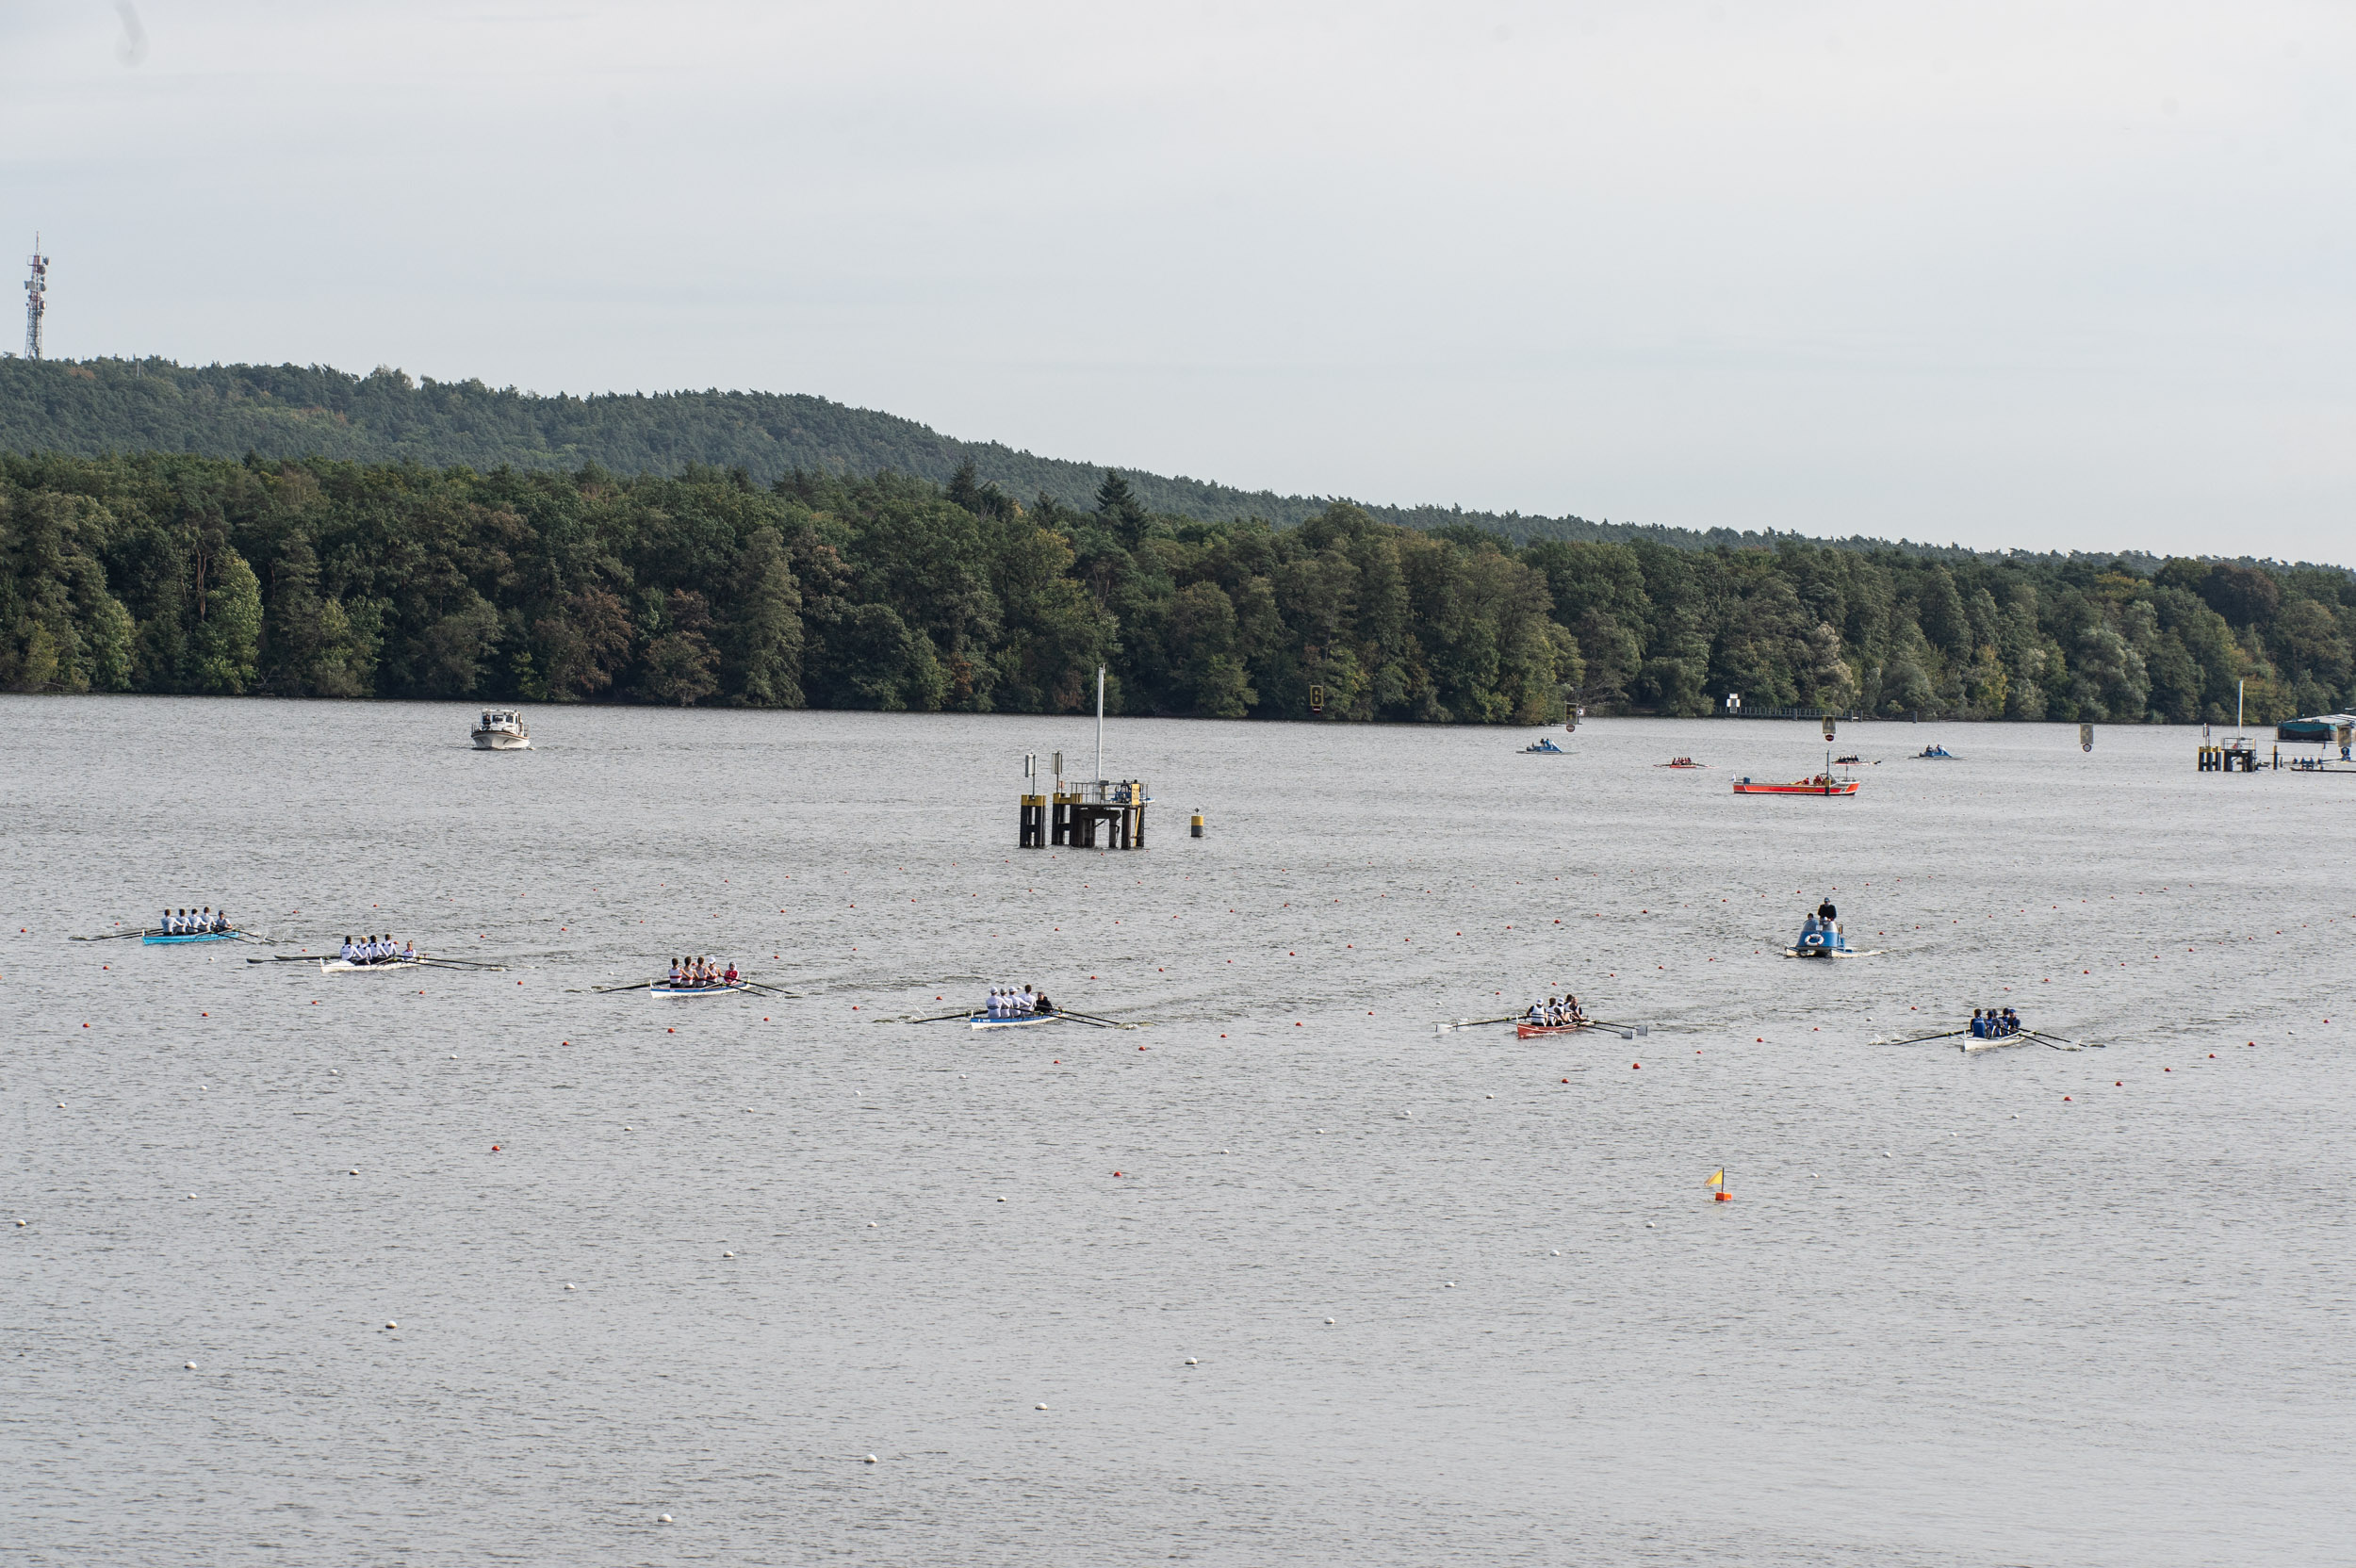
x=36, y=300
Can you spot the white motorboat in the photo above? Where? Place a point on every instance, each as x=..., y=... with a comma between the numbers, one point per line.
x=502, y=729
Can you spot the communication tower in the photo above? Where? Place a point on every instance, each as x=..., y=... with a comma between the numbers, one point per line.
x=36, y=301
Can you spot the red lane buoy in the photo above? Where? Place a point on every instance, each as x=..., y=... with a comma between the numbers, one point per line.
x=1636, y=1067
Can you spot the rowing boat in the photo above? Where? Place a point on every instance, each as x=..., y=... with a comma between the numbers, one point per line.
x=668, y=989
x=1531, y=1031
x=192, y=937
x=1021, y=1020
x=379, y=966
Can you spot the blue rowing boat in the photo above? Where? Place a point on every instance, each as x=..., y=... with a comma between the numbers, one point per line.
x=193, y=936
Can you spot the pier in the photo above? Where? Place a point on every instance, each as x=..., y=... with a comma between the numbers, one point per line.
x=1070, y=815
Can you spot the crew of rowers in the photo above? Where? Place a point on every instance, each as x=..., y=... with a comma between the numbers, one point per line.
x=689, y=975
x=1005, y=1002
x=1992, y=1025
x=1555, y=1013
x=196, y=922
x=377, y=950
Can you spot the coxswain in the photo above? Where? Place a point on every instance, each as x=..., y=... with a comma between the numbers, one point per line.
x=409, y=952
x=1045, y=1005
x=729, y=978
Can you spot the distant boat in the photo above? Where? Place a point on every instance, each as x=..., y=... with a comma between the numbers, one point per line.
x=1680, y=762
x=2319, y=730
x=502, y=729
x=1935, y=754
x=158, y=940
x=1546, y=747
x=1823, y=784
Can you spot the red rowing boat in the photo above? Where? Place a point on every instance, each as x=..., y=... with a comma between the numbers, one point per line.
x=1531, y=1031
x=1823, y=784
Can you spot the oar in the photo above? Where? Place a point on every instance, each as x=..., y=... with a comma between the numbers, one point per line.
x=1092, y=1018
x=611, y=991
x=757, y=986
x=288, y=958
x=1475, y=1023
x=118, y=935
x=939, y=1018
x=457, y=963
x=1917, y=1040
x=453, y=965
x=2058, y=1042
x=1627, y=1031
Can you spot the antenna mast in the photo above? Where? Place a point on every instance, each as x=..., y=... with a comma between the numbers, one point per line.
x=36, y=301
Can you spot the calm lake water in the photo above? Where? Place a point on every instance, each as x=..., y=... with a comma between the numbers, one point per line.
x=2026, y=1306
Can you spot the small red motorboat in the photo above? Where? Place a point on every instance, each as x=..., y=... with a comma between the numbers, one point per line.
x=1823, y=784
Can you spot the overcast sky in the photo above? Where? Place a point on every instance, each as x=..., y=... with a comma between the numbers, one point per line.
x=2042, y=275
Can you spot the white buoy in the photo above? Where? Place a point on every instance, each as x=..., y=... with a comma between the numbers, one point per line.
x=662, y=1519
x=1038, y=1407
x=1002, y=1200
x=1557, y=1252
x=1190, y=1361
x=870, y=1224
x=728, y=1255
x=191, y=1367
x=870, y=1459
x=1650, y=1226
x=1329, y=1322
x=572, y=1287
x=392, y=1325
x=625, y=1129
x=1449, y=1286
x=355, y=1170
x=192, y=1195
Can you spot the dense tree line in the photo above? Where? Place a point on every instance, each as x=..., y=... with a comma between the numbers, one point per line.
x=179, y=574
x=101, y=406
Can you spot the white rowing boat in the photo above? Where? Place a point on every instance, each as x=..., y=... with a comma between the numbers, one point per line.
x=666, y=989
x=1021, y=1020
x=344, y=966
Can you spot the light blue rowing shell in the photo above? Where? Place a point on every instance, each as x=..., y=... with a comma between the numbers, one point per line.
x=198, y=936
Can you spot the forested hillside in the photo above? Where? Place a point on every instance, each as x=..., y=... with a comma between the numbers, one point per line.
x=103, y=406
x=178, y=574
